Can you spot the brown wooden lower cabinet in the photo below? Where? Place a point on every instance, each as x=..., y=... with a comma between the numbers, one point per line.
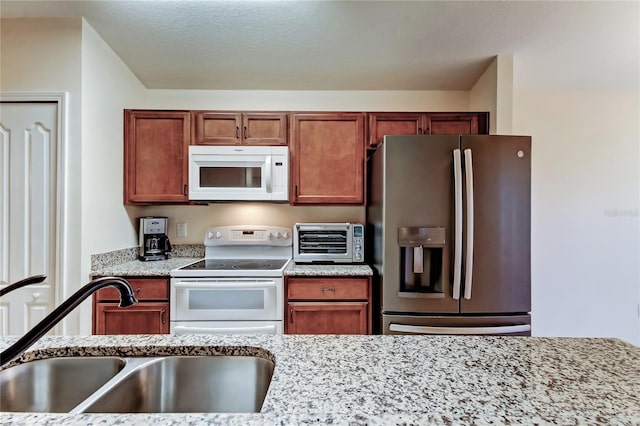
x=143, y=318
x=328, y=305
x=149, y=316
x=328, y=318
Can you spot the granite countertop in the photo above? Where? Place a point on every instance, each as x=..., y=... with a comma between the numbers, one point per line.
x=140, y=268
x=394, y=379
x=163, y=267
x=326, y=270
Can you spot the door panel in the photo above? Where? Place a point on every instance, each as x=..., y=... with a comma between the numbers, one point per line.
x=502, y=224
x=384, y=123
x=452, y=124
x=28, y=147
x=515, y=325
x=417, y=191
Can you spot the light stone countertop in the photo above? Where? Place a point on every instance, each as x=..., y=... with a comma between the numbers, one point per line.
x=140, y=268
x=382, y=380
x=163, y=267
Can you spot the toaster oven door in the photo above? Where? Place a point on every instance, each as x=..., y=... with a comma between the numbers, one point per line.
x=322, y=244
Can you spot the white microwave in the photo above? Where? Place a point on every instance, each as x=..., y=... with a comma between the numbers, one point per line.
x=226, y=173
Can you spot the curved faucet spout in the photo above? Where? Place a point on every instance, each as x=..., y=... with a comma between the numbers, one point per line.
x=47, y=323
x=26, y=281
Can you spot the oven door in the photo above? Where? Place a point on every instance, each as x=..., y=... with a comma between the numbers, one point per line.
x=226, y=327
x=226, y=299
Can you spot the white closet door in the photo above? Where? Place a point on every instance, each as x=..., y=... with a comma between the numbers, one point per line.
x=27, y=211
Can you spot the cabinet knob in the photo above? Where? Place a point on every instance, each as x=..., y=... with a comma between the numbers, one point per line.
x=291, y=316
x=237, y=132
x=328, y=289
x=162, y=316
x=137, y=290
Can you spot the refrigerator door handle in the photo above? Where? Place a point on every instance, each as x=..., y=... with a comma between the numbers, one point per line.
x=457, y=245
x=423, y=329
x=468, y=269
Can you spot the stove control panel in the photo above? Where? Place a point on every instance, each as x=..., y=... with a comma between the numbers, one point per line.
x=248, y=235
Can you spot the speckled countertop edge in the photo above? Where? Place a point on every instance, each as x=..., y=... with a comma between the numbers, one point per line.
x=164, y=267
x=399, y=379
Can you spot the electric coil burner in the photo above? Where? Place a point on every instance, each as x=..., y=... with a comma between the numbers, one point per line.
x=237, y=287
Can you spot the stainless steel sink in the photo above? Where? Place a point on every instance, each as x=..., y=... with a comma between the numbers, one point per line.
x=220, y=384
x=171, y=384
x=55, y=385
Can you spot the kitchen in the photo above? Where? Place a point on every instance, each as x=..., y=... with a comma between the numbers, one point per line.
x=563, y=205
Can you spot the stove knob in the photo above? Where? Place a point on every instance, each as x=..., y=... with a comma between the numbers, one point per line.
x=278, y=235
x=285, y=235
x=271, y=236
x=209, y=235
x=218, y=234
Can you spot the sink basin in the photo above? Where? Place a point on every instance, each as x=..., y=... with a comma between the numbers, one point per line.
x=54, y=385
x=183, y=384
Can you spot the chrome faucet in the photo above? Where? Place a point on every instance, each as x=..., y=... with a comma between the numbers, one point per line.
x=26, y=281
x=47, y=323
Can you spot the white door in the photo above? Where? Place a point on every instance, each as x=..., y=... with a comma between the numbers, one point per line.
x=27, y=211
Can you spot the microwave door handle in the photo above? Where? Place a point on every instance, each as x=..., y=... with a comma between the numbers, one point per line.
x=267, y=173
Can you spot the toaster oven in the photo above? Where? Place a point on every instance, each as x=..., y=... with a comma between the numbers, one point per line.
x=328, y=243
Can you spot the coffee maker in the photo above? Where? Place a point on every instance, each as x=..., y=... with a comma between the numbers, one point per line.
x=153, y=239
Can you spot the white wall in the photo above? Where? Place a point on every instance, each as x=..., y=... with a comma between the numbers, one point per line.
x=493, y=92
x=585, y=221
x=302, y=100
x=107, y=86
x=43, y=55
x=483, y=94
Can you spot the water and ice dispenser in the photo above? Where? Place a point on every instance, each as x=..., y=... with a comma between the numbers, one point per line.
x=421, y=260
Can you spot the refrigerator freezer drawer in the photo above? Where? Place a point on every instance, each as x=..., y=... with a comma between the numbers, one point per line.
x=517, y=325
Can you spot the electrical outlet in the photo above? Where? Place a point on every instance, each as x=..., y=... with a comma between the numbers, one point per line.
x=181, y=229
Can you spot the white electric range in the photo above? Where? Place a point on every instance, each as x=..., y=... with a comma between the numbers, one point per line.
x=239, y=285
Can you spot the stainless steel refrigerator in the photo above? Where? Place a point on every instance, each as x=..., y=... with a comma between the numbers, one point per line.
x=449, y=225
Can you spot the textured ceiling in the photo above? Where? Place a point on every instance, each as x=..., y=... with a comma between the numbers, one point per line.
x=360, y=45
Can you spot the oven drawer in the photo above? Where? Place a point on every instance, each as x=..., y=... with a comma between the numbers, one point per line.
x=226, y=327
x=230, y=299
x=327, y=289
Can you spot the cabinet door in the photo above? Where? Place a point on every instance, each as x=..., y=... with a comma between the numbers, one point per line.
x=143, y=318
x=218, y=128
x=264, y=128
x=327, y=318
x=156, y=145
x=452, y=124
x=327, y=158
x=384, y=123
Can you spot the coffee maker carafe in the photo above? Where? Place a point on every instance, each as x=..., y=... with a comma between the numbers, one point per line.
x=153, y=240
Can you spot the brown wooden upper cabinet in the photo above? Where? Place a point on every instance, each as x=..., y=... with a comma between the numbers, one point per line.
x=156, y=147
x=235, y=128
x=418, y=123
x=327, y=158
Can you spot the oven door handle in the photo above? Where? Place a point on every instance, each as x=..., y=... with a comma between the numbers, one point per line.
x=181, y=329
x=225, y=284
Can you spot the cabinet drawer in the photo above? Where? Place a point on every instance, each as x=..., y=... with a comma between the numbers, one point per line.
x=143, y=289
x=328, y=289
